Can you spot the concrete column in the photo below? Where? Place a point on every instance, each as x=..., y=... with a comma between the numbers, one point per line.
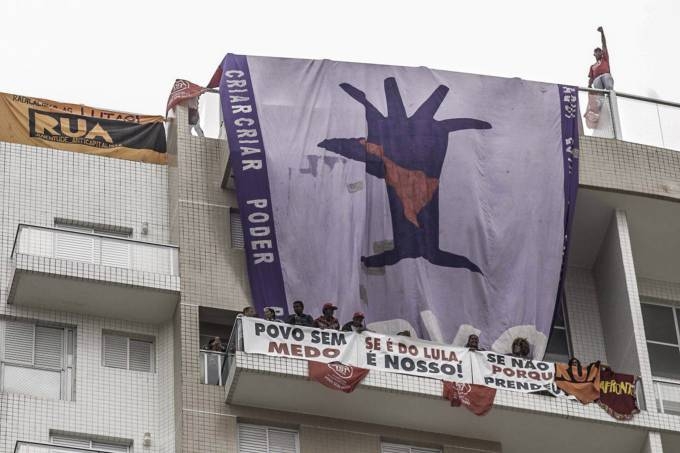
x=652, y=443
x=620, y=310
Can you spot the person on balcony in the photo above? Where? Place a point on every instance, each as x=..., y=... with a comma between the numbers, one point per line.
x=249, y=312
x=521, y=348
x=356, y=324
x=327, y=320
x=600, y=75
x=473, y=343
x=299, y=317
x=215, y=344
x=270, y=315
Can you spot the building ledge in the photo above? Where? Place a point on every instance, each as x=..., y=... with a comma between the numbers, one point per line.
x=413, y=402
x=94, y=274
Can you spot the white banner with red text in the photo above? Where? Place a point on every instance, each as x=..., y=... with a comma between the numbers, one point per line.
x=399, y=354
x=297, y=342
x=405, y=355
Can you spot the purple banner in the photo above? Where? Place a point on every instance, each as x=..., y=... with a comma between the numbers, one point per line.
x=247, y=156
x=434, y=202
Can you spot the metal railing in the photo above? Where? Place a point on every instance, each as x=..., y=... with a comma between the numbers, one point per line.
x=667, y=394
x=96, y=249
x=607, y=114
x=235, y=344
x=213, y=367
x=34, y=447
x=631, y=118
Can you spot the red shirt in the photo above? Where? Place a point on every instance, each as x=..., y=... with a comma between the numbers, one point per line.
x=600, y=67
x=322, y=323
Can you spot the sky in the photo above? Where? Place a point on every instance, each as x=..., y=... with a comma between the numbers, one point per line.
x=125, y=55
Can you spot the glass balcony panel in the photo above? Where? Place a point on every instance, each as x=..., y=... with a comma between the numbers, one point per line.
x=596, y=115
x=55, y=243
x=669, y=118
x=213, y=367
x=36, y=242
x=639, y=121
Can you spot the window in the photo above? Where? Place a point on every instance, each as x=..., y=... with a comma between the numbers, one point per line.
x=38, y=360
x=265, y=439
x=558, y=349
x=236, y=229
x=128, y=352
x=663, y=340
x=89, y=444
x=399, y=448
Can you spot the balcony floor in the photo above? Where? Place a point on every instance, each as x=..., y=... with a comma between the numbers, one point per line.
x=93, y=289
x=520, y=423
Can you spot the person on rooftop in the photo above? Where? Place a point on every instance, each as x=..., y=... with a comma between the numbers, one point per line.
x=600, y=74
x=356, y=324
x=327, y=320
x=299, y=317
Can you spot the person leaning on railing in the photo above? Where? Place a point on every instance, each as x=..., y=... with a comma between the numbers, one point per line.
x=600, y=74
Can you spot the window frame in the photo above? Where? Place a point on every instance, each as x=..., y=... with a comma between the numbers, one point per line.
x=67, y=370
x=674, y=309
x=410, y=447
x=130, y=337
x=268, y=428
x=233, y=212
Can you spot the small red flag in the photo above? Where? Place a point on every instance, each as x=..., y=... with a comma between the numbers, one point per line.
x=183, y=90
x=478, y=399
x=336, y=375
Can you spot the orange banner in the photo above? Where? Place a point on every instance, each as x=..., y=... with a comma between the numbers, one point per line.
x=82, y=129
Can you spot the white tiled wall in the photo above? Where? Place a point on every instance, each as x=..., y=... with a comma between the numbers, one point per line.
x=37, y=185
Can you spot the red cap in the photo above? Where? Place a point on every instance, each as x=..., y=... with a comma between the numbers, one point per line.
x=358, y=314
x=329, y=305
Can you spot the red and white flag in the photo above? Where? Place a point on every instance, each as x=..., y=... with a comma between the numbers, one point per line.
x=478, y=399
x=336, y=375
x=183, y=90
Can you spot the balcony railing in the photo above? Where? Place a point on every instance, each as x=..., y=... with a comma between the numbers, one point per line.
x=637, y=119
x=214, y=367
x=33, y=447
x=96, y=249
x=667, y=393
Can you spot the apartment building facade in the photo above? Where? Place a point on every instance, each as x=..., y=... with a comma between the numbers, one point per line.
x=130, y=268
